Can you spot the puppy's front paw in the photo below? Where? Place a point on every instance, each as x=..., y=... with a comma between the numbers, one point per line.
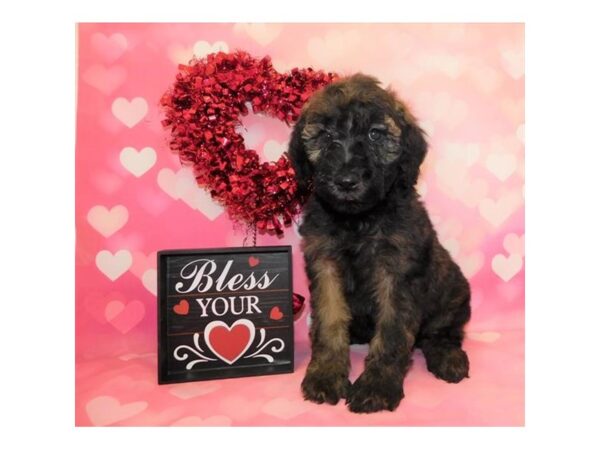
x=325, y=388
x=451, y=365
x=369, y=394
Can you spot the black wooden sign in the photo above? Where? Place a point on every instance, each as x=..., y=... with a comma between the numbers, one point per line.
x=224, y=313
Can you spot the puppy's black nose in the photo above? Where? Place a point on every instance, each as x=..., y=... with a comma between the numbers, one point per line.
x=347, y=182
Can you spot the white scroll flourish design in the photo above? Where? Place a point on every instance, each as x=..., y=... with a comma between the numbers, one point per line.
x=183, y=352
x=278, y=346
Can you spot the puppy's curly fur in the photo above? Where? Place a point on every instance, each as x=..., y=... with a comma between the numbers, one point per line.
x=377, y=271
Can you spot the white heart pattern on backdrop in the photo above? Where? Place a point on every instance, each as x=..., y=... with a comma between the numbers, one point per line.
x=507, y=268
x=105, y=79
x=181, y=185
x=513, y=61
x=272, y=150
x=496, y=212
x=471, y=264
x=137, y=163
x=284, y=408
x=113, y=266
x=203, y=48
x=110, y=47
x=187, y=391
x=105, y=221
x=514, y=244
x=467, y=152
x=149, y=280
x=263, y=33
x=502, y=165
x=129, y=112
x=106, y=410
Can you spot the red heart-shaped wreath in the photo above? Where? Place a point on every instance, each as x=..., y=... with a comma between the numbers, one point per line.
x=202, y=110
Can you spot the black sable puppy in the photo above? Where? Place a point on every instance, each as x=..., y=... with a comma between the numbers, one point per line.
x=377, y=271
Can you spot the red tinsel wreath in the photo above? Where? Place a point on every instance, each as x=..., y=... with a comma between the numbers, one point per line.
x=203, y=108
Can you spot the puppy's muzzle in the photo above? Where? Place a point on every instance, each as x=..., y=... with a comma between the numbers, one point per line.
x=347, y=182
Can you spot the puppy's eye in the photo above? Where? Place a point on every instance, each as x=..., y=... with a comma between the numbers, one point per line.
x=375, y=134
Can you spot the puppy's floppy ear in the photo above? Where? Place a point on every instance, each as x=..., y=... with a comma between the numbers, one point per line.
x=299, y=158
x=413, y=149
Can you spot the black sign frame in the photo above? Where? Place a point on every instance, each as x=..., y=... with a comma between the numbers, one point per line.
x=165, y=375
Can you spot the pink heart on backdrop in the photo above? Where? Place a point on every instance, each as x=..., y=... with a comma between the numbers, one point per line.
x=106, y=410
x=451, y=174
x=109, y=47
x=195, y=421
x=284, y=408
x=142, y=262
x=513, y=108
x=471, y=264
x=476, y=299
x=153, y=201
x=513, y=61
x=497, y=211
x=105, y=79
x=105, y=221
x=95, y=304
x=450, y=228
x=263, y=33
x=187, y=391
x=473, y=192
x=129, y=112
x=507, y=268
x=124, y=316
x=514, y=244
x=106, y=182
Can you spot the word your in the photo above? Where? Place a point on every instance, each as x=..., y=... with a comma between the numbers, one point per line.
x=200, y=273
x=219, y=306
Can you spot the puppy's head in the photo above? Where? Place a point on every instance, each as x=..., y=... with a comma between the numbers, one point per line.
x=354, y=142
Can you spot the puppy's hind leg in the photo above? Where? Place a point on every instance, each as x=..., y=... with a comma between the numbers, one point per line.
x=441, y=339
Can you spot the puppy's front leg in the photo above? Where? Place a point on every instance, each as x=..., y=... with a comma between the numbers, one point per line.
x=326, y=378
x=380, y=386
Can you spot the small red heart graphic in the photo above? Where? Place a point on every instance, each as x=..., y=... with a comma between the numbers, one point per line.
x=276, y=313
x=182, y=308
x=229, y=343
x=253, y=261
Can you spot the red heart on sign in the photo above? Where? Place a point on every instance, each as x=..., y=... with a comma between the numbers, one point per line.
x=253, y=261
x=275, y=313
x=229, y=343
x=182, y=308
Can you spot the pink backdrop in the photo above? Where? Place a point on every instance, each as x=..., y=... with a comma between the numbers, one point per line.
x=466, y=85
